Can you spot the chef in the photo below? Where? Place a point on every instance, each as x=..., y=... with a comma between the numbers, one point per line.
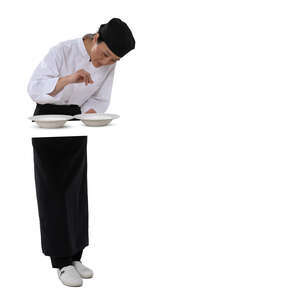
x=75, y=76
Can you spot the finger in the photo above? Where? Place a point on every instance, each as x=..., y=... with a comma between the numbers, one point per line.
x=86, y=79
x=86, y=76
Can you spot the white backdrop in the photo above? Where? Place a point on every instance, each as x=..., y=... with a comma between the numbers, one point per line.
x=194, y=191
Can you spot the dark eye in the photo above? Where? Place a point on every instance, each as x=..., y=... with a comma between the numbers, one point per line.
x=105, y=55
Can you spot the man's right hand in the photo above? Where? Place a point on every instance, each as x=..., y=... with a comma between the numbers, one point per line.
x=77, y=77
x=81, y=76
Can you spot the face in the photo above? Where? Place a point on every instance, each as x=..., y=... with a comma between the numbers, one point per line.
x=101, y=55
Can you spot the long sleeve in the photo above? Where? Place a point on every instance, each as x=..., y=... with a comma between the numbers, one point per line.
x=100, y=100
x=45, y=77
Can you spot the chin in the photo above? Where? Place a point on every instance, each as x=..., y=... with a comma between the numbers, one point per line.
x=96, y=66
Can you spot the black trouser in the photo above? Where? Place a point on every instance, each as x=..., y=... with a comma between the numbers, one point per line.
x=60, y=262
x=60, y=169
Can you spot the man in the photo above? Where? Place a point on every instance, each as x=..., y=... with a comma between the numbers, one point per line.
x=75, y=77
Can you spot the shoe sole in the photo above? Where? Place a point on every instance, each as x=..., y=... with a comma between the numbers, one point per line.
x=87, y=277
x=70, y=284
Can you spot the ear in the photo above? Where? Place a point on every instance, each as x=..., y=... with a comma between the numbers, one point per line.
x=96, y=37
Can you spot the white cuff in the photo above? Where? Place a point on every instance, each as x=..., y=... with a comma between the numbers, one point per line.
x=39, y=90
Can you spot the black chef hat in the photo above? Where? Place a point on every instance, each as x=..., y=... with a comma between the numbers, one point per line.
x=118, y=37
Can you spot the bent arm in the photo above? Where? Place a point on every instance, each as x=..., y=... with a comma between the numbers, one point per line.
x=45, y=84
x=61, y=83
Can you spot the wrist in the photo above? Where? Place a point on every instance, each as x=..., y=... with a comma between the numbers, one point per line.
x=66, y=80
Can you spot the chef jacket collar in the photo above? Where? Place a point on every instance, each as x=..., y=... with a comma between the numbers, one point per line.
x=83, y=49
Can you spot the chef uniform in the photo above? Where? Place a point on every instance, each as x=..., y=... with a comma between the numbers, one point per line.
x=60, y=163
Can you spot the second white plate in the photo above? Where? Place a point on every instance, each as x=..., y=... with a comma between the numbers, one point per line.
x=96, y=119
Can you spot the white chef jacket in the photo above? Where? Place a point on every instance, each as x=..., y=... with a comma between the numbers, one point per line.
x=64, y=59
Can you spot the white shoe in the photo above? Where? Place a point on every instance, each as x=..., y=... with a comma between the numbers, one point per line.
x=83, y=271
x=69, y=276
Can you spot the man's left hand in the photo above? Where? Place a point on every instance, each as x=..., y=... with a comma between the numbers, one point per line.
x=90, y=111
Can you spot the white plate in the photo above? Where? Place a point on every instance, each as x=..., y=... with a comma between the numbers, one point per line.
x=96, y=119
x=51, y=121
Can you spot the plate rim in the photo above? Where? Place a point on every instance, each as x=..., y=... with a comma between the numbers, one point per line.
x=39, y=118
x=112, y=116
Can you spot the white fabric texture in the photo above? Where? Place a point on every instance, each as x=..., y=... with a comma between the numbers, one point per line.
x=64, y=59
